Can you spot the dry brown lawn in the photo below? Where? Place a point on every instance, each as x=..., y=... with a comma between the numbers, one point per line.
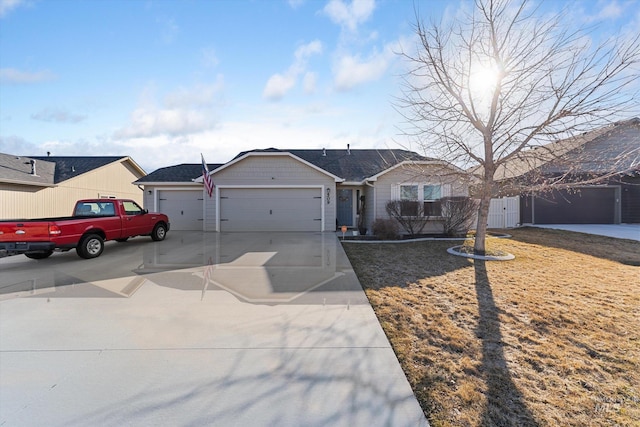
x=551, y=338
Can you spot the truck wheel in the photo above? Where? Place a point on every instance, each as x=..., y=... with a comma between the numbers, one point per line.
x=91, y=246
x=38, y=255
x=159, y=232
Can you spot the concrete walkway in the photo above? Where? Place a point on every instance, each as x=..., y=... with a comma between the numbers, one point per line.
x=201, y=329
x=619, y=231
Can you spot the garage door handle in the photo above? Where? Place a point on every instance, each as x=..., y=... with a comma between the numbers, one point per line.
x=270, y=212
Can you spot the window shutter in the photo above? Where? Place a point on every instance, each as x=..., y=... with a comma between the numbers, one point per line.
x=446, y=190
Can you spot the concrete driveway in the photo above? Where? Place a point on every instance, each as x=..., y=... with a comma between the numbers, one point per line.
x=619, y=231
x=201, y=329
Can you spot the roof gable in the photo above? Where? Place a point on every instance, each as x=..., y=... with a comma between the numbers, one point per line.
x=273, y=152
x=67, y=167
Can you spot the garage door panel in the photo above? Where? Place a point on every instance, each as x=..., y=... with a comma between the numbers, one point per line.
x=183, y=207
x=281, y=209
x=587, y=206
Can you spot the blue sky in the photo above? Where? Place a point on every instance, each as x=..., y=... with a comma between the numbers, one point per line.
x=165, y=80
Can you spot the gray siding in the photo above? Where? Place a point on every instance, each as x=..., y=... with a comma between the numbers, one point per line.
x=423, y=174
x=272, y=171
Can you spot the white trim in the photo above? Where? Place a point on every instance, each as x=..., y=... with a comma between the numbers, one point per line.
x=271, y=154
x=416, y=162
x=170, y=184
x=322, y=189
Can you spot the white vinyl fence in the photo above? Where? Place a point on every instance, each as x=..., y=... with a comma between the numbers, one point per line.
x=504, y=212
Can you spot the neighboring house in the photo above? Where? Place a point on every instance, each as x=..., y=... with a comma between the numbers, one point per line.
x=299, y=190
x=33, y=187
x=606, y=165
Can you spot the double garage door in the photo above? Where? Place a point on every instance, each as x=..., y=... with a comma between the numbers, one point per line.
x=270, y=209
x=588, y=205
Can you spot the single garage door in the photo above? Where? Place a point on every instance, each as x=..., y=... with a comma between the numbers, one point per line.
x=593, y=205
x=270, y=209
x=184, y=208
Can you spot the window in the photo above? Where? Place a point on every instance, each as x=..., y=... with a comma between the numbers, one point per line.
x=106, y=209
x=131, y=208
x=409, y=200
x=431, y=199
x=408, y=192
x=83, y=209
x=421, y=199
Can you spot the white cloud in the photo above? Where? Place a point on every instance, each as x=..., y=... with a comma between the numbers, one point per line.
x=7, y=6
x=351, y=70
x=152, y=122
x=169, y=29
x=349, y=15
x=58, y=115
x=14, y=76
x=18, y=146
x=309, y=82
x=183, y=112
x=209, y=58
x=609, y=9
x=201, y=95
x=295, y=3
x=305, y=51
x=280, y=84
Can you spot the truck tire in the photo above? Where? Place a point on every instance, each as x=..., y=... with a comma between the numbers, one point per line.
x=38, y=255
x=159, y=232
x=90, y=246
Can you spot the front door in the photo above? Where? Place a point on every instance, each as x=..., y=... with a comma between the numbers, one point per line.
x=345, y=207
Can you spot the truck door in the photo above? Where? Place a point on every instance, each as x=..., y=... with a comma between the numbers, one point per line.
x=134, y=220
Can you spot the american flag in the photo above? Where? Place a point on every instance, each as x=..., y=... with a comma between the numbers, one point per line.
x=208, y=182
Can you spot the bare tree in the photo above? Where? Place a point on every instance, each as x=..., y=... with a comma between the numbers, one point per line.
x=485, y=89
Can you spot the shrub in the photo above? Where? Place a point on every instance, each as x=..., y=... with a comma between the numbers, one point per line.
x=458, y=214
x=385, y=229
x=409, y=214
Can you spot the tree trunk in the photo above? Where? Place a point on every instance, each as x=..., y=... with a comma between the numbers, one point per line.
x=479, y=247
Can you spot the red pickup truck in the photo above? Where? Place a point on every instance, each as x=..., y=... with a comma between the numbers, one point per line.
x=94, y=221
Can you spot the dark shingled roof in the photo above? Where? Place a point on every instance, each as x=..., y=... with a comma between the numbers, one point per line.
x=184, y=172
x=71, y=166
x=615, y=150
x=351, y=165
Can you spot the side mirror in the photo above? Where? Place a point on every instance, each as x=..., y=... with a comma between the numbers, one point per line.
x=145, y=211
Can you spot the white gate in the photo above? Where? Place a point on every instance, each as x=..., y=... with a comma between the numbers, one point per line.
x=504, y=212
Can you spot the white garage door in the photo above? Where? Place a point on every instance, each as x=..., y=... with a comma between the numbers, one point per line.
x=270, y=209
x=184, y=208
